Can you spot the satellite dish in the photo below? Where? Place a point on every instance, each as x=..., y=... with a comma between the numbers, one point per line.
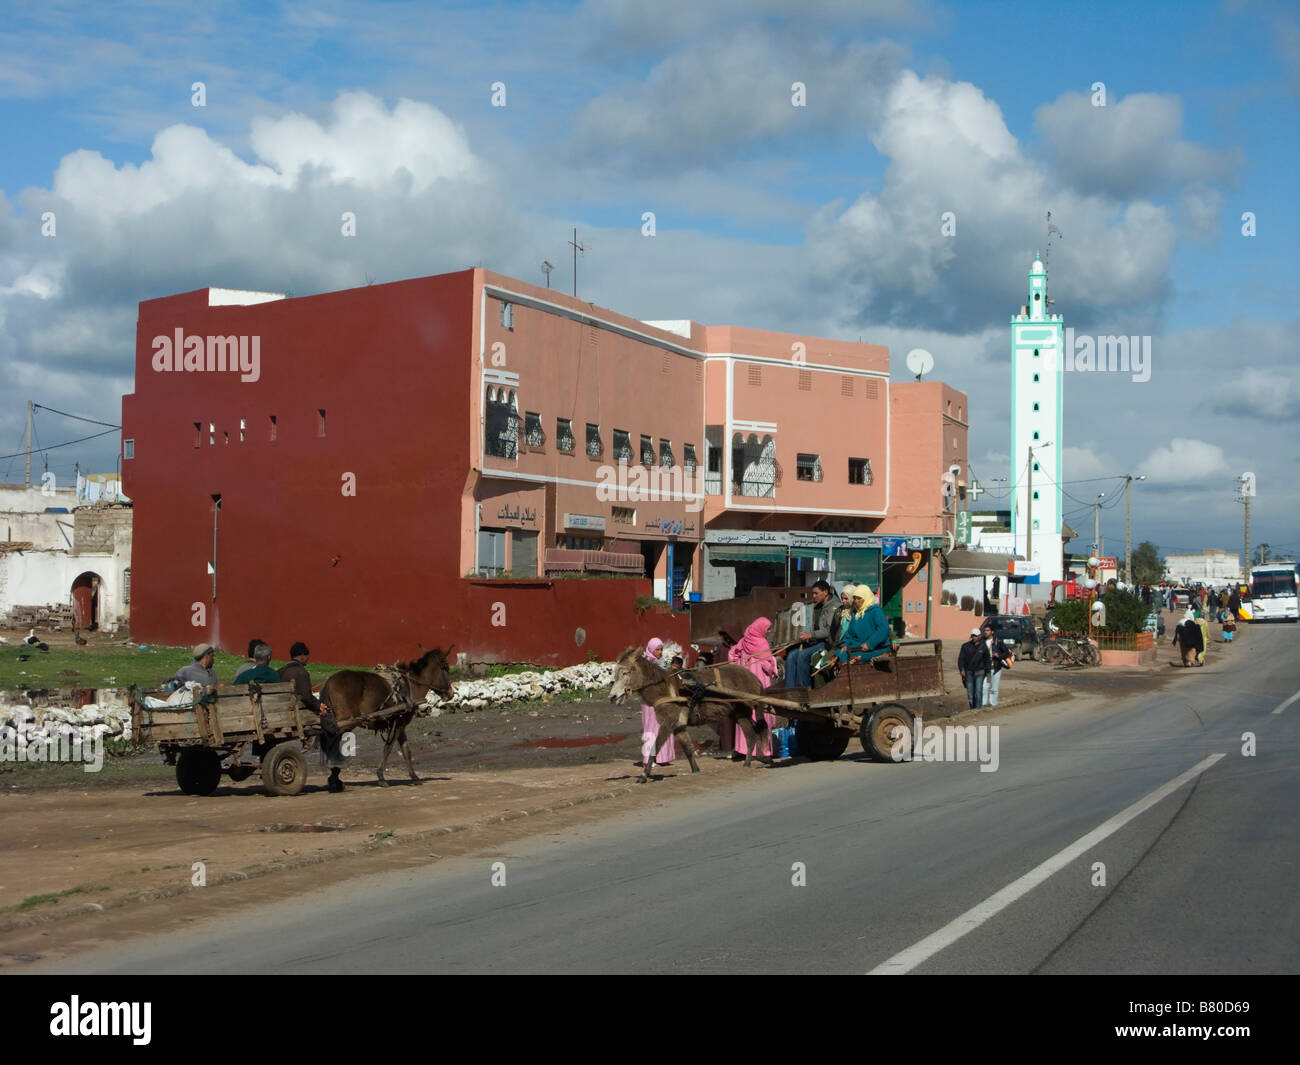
x=920, y=362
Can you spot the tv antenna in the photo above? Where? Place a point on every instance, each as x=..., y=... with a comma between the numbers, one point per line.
x=576, y=248
x=1047, y=255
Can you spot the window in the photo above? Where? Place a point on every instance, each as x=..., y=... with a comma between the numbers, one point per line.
x=1035, y=436
x=1035, y=467
x=501, y=424
x=243, y=430
x=624, y=515
x=754, y=469
x=805, y=380
x=859, y=471
x=846, y=388
x=808, y=467
x=533, y=434
x=128, y=452
x=595, y=448
x=755, y=375
x=198, y=429
x=1035, y=495
x=507, y=315
x=647, y=451
x=622, y=446
x=665, y=453
x=1035, y=353
x=1035, y=378
x=564, y=435
x=1035, y=406
x=320, y=422
x=212, y=433
x=491, y=552
x=273, y=428
x=688, y=458
x=226, y=438
x=126, y=585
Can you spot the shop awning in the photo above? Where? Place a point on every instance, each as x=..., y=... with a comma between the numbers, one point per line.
x=808, y=552
x=964, y=563
x=745, y=553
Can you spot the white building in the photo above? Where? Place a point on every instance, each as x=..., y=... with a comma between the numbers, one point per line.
x=1211, y=566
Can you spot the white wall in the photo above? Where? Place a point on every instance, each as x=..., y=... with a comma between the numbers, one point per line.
x=44, y=578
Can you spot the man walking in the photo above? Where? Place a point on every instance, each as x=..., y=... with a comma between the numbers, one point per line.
x=973, y=664
x=295, y=670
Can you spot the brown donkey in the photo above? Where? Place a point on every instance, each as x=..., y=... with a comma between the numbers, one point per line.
x=636, y=675
x=354, y=694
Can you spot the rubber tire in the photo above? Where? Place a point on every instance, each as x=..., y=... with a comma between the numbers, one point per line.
x=198, y=771
x=819, y=741
x=877, y=727
x=284, y=770
x=1053, y=655
x=1090, y=655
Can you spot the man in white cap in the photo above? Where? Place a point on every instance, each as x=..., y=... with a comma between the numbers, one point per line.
x=199, y=670
x=973, y=664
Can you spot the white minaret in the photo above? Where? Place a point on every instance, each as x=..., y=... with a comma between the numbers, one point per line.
x=1036, y=406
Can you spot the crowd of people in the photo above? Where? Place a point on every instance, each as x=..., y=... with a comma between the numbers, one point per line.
x=258, y=669
x=849, y=627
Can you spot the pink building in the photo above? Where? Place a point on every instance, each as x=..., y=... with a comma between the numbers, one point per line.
x=431, y=459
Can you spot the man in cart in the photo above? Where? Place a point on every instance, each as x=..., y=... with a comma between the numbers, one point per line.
x=295, y=671
x=199, y=671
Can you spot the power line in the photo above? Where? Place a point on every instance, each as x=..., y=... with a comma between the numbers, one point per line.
x=66, y=443
x=76, y=417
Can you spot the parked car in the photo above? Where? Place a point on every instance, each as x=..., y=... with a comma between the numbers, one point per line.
x=1018, y=632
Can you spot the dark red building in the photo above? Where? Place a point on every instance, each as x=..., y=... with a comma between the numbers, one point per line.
x=303, y=469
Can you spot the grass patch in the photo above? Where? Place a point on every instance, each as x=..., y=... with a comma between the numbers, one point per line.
x=115, y=665
x=53, y=896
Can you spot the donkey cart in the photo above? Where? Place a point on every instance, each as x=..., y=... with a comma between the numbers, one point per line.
x=252, y=726
x=869, y=700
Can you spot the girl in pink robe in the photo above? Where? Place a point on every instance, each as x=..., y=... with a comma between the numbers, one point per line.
x=649, y=723
x=755, y=654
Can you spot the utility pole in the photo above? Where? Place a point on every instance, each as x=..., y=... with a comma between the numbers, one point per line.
x=1247, y=487
x=1029, y=510
x=576, y=248
x=27, y=447
x=1096, y=524
x=1128, y=527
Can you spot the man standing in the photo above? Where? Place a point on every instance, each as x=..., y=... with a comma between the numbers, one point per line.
x=295, y=670
x=198, y=671
x=973, y=664
x=798, y=663
x=999, y=659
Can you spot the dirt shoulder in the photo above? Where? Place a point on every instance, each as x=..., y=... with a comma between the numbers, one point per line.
x=87, y=858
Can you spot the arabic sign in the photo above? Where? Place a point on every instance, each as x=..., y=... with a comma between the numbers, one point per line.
x=515, y=514
x=584, y=521
x=963, y=526
x=745, y=536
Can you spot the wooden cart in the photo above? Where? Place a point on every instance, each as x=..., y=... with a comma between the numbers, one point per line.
x=252, y=725
x=871, y=700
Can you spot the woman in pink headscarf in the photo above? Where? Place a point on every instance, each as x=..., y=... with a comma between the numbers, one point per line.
x=649, y=723
x=755, y=654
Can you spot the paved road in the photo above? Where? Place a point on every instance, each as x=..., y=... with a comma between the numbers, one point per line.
x=927, y=867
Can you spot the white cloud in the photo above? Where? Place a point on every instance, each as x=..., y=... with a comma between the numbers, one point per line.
x=1182, y=461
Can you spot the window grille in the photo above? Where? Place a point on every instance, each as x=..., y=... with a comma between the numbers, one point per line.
x=564, y=435
x=808, y=467
x=595, y=447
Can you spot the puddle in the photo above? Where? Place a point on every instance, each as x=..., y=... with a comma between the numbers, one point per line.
x=580, y=741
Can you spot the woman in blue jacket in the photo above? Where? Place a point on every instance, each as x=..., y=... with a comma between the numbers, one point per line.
x=868, y=634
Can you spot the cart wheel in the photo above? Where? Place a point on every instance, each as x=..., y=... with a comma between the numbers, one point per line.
x=240, y=772
x=284, y=770
x=887, y=729
x=820, y=741
x=1091, y=656
x=198, y=771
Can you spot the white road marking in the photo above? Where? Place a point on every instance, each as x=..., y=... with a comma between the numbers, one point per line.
x=914, y=955
x=1287, y=703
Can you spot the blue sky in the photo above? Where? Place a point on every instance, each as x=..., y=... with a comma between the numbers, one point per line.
x=820, y=219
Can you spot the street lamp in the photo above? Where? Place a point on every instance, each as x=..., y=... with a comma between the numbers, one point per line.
x=1096, y=522
x=1128, y=529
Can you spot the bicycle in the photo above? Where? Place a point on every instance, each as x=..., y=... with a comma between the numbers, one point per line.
x=1071, y=651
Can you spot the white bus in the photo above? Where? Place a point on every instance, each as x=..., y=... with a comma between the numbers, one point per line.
x=1273, y=592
